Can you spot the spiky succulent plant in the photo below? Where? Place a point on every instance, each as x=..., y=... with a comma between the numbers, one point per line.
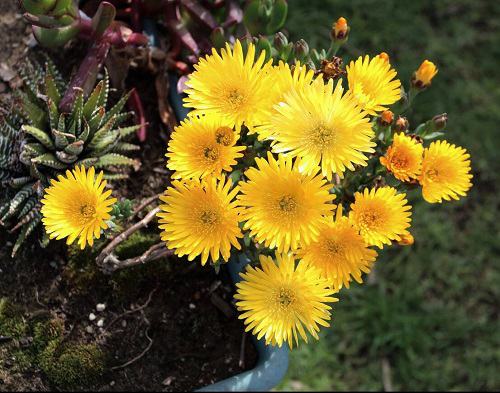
x=38, y=142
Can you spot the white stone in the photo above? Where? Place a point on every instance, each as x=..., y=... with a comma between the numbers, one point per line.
x=92, y=316
x=100, y=323
x=100, y=307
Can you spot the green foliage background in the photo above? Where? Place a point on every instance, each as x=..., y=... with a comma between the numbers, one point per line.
x=430, y=312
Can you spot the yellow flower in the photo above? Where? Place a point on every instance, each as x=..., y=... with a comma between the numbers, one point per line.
x=340, y=252
x=380, y=215
x=231, y=86
x=284, y=79
x=76, y=206
x=278, y=301
x=403, y=157
x=283, y=206
x=423, y=76
x=322, y=128
x=199, y=218
x=371, y=81
x=445, y=172
x=202, y=146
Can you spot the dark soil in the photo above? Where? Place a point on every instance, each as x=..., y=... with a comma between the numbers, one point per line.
x=169, y=325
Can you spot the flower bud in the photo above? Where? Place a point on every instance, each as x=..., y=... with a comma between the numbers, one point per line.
x=400, y=125
x=421, y=79
x=384, y=56
x=406, y=240
x=386, y=118
x=280, y=41
x=300, y=50
x=340, y=30
x=439, y=123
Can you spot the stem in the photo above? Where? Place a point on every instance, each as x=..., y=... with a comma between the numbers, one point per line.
x=87, y=74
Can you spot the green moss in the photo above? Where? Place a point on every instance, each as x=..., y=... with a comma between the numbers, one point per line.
x=69, y=366
x=11, y=320
x=81, y=272
x=45, y=332
x=136, y=244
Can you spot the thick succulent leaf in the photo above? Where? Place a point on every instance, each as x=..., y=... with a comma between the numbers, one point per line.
x=65, y=157
x=111, y=159
x=106, y=145
x=87, y=162
x=28, y=206
x=51, y=89
x=4, y=207
x=101, y=135
x=27, y=229
x=75, y=148
x=103, y=95
x=42, y=136
x=7, y=130
x=53, y=113
x=75, y=118
x=122, y=146
x=37, y=116
x=35, y=172
x=86, y=131
x=61, y=84
x=34, y=149
x=121, y=117
x=50, y=160
x=114, y=176
x=61, y=126
x=6, y=146
x=125, y=131
x=62, y=139
x=26, y=191
x=117, y=108
x=96, y=119
x=18, y=182
x=91, y=104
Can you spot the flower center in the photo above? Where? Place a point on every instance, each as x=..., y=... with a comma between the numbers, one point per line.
x=236, y=98
x=224, y=136
x=287, y=203
x=87, y=211
x=432, y=174
x=400, y=161
x=284, y=298
x=369, y=219
x=332, y=246
x=210, y=218
x=212, y=153
x=322, y=136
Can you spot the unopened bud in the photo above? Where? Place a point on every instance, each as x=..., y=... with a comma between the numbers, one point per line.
x=386, y=118
x=384, y=56
x=421, y=79
x=400, y=125
x=300, y=50
x=280, y=41
x=340, y=30
x=439, y=123
x=406, y=240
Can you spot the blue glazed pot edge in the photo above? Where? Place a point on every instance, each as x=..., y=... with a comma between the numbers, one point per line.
x=273, y=361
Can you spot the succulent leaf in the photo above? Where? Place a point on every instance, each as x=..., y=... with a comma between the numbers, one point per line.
x=40, y=135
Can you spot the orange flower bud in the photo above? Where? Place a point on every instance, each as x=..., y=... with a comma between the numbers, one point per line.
x=340, y=30
x=400, y=125
x=423, y=76
x=384, y=56
x=386, y=118
x=406, y=240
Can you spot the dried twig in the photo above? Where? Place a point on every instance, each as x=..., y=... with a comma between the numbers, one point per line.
x=144, y=204
x=241, y=362
x=137, y=357
x=156, y=251
x=386, y=375
x=106, y=254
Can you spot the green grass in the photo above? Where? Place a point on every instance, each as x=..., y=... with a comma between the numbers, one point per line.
x=431, y=310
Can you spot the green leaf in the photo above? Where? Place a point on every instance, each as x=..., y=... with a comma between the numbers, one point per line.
x=75, y=148
x=75, y=118
x=65, y=157
x=117, y=108
x=91, y=104
x=114, y=176
x=103, y=95
x=122, y=146
x=50, y=160
x=37, y=116
x=27, y=229
x=40, y=135
x=125, y=131
x=101, y=135
x=114, y=159
x=432, y=135
x=51, y=88
x=62, y=139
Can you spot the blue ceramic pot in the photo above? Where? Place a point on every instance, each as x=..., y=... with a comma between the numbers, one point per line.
x=273, y=361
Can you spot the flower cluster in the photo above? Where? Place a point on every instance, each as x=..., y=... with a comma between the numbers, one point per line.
x=280, y=159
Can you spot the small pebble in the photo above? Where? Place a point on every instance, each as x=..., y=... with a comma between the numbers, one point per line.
x=89, y=329
x=124, y=323
x=112, y=383
x=92, y=316
x=53, y=265
x=192, y=306
x=100, y=323
x=100, y=307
